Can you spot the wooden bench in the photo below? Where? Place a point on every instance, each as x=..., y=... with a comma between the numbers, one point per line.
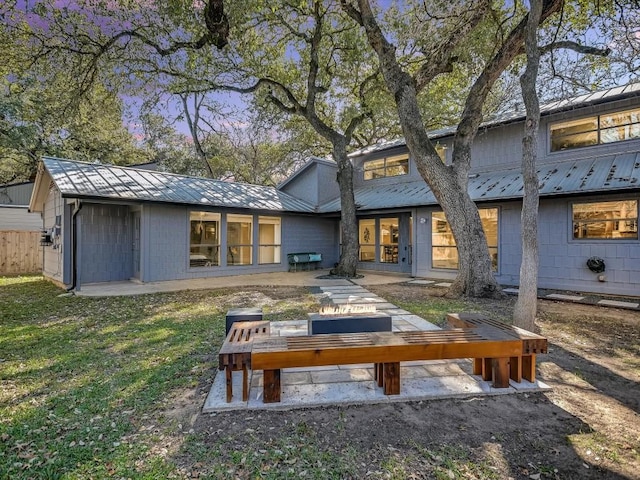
x=235, y=353
x=385, y=350
x=521, y=366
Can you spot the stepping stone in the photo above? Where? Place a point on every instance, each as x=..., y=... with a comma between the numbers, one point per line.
x=616, y=303
x=421, y=282
x=559, y=296
x=443, y=284
x=512, y=291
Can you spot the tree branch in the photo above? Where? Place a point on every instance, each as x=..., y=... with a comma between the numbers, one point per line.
x=575, y=46
x=441, y=59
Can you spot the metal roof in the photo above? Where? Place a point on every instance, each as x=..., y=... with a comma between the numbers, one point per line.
x=611, y=94
x=607, y=173
x=95, y=180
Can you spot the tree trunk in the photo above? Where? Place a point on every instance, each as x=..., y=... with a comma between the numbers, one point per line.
x=450, y=187
x=349, y=223
x=524, y=314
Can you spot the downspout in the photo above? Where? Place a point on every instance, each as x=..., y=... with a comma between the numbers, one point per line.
x=74, y=245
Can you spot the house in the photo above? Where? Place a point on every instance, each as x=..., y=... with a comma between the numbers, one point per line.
x=155, y=226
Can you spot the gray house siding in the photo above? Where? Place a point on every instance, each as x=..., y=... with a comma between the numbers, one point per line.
x=500, y=147
x=105, y=252
x=562, y=263
x=311, y=234
x=316, y=184
x=305, y=185
x=165, y=247
x=327, y=183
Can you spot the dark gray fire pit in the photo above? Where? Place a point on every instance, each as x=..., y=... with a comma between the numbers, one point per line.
x=349, y=323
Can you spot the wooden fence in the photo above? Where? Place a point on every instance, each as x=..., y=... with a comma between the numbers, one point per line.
x=20, y=252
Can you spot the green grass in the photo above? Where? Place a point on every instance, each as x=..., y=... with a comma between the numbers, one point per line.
x=89, y=387
x=85, y=380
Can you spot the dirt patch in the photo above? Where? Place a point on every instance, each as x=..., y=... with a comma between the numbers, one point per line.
x=588, y=427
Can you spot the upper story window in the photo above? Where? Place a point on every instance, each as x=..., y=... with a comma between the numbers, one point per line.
x=617, y=220
x=386, y=167
x=596, y=130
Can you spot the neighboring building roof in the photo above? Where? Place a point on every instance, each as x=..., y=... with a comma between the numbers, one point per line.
x=94, y=180
x=303, y=168
x=611, y=173
x=557, y=106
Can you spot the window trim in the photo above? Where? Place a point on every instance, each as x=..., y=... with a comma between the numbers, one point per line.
x=234, y=219
x=400, y=157
x=270, y=220
x=217, y=218
x=490, y=247
x=618, y=240
x=598, y=130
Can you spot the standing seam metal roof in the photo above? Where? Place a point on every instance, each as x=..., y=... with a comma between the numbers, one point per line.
x=598, y=174
x=80, y=179
x=625, y=91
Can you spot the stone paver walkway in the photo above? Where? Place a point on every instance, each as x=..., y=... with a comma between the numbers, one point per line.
x=354, y=384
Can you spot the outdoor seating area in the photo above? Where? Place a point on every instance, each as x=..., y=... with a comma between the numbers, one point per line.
x=279, y=359
x=304, y=261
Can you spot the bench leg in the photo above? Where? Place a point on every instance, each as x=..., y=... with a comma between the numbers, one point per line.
x=515, y=366
x=391, y=380
x=500, y=372
x=487, y=368
x=378, y=373
x=229, y=378
x=245, y=383
x=272, y=388
x=529, y=367
x=477, y=366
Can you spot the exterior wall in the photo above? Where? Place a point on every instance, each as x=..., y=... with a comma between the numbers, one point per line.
x=358, y=174
x=54, y=261
x=17, y=194
x=305, y=185
x=19, y=218
x=501, y=146
x=104, y=235
x=563, y=260
x=327, y=183
x=165, y=244
x=562, y=263
x=317, y=184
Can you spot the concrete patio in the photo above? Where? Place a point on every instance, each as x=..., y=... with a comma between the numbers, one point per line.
x=354, y=384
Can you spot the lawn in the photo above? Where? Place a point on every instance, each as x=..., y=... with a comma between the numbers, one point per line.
x=87, y=382
x=112, y=388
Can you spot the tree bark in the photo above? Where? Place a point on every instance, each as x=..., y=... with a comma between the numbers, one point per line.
x=525, y=310
x=349, y=222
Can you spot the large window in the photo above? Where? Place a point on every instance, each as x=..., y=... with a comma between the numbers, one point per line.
x=612, y=127
x=389, y=240
x=367, y=239
x=444, y=253
x=204, y=244
x=269, y=240
x=612, y=220
x=239, y=239
x=386, y=167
